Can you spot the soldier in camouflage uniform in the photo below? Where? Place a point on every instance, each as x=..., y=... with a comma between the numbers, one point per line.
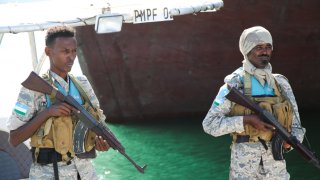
x=33, y=110
x=251, y=155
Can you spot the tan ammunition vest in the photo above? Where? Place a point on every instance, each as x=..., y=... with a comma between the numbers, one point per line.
x=278, y=106
x=57, y=132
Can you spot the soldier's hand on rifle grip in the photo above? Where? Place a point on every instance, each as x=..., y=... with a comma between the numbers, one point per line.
x=286, y=146
x=60, y=109
x=101, y=144
x=257, y=123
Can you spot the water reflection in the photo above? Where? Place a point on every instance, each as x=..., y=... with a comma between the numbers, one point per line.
x=181, y=150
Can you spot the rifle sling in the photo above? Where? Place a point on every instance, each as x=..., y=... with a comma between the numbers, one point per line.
x=53, y=93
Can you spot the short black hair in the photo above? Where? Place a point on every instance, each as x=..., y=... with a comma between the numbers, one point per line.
x=58, y=31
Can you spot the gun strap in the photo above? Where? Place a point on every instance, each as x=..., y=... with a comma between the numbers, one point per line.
x=81, y=90
x=247, y=84
x=47, y=77
x=53, y=93
x=55, y=165
x=263, y=142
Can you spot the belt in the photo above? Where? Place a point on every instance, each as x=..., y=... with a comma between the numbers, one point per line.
x=246, y=138
x=47, y=156
x=242, y=139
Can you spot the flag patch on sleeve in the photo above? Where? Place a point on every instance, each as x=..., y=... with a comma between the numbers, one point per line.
x=20, y=109
x=220, y=98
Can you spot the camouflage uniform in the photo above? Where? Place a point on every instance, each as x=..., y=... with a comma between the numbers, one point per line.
x=28, y=105
x=247, y=157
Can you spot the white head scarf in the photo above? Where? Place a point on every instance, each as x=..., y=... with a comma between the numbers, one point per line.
x=249, y=39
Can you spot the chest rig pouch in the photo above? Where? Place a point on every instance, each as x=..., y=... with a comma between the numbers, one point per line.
x=62, y=134
x=277, y=105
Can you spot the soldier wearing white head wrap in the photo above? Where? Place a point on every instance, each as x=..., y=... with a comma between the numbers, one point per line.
x=249, y=39
x=251, y=155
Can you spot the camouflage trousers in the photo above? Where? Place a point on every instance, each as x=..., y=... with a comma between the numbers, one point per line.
x=252, y=161
x=66, y=172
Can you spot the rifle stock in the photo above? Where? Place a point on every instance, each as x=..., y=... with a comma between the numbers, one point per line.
x=36, y=83
x=237, y=97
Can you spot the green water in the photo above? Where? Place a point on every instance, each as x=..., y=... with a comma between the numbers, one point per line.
x=181, y=150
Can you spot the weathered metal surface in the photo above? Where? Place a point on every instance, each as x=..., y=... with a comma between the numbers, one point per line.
x=15, y=161
x=174, y=69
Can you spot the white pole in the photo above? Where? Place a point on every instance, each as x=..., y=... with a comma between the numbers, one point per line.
x=1, y=36
x=33, y=49
x=40, y=63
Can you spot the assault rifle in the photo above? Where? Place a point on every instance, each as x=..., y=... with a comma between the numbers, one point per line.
x=236, y=96
x=36, y=83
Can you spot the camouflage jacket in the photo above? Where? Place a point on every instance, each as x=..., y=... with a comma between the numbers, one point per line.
x=217, y=123
x=30, y=103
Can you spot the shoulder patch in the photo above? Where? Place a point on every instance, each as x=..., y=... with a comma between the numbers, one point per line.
x=21, y=109
x=220, y=98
